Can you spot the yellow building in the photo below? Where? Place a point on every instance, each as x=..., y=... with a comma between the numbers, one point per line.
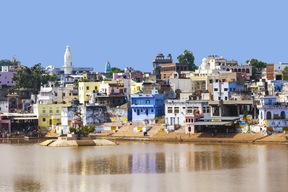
x=85, y=88
x=136, y=87
x=50, y=114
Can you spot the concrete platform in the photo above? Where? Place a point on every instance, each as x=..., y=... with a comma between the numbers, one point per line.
x=76, y=143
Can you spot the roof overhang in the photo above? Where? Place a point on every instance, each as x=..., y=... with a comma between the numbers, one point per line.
x=209, y=123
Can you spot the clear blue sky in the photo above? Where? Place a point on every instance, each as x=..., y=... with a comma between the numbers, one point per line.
x=130, y=33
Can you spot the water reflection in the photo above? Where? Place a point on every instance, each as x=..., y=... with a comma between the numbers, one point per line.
x=144, y=167
x=26, y=184
x=159, y=162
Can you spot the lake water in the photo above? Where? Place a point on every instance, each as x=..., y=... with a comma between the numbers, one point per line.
x=140, y=166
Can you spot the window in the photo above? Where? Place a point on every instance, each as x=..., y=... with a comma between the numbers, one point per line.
x=63, y=94
x=50, y=111
x=268, y=115
x=87, y=87
x=44, y=119
x=215, y=89
x=176, y=109
x=189, y=110
x=147, y=101
x=43, y=111
x=170, y=110
x=283, y=115
x=146, y=111
x=152, y=110
x=138, y=112
x=225, y=89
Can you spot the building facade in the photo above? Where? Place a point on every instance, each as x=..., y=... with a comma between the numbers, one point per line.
x=147, y=106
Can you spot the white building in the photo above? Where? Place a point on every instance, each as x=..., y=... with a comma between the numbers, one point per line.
x=184, y=113
x=223, y=90
x=273, y=116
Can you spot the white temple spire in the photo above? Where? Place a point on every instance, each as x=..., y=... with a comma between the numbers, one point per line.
x=67, y=61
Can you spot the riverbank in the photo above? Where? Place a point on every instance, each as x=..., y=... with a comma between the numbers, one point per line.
x=156, y=134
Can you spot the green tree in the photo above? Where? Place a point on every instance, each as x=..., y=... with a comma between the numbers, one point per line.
x=32, y=78
x=114, y=70
x=285, y=73
x=257, y=67
x=187, y=57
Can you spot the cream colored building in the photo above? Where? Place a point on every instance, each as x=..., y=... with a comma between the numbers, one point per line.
x=49, y=94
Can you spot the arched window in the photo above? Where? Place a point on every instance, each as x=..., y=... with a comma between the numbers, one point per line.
x=283, y=115
x=247, y=70
x=239, y=70
x=261, y=115
x=268, y=115
x=234, y=70
x=243, y=70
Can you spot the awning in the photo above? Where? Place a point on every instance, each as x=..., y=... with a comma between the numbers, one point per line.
x=210, y=123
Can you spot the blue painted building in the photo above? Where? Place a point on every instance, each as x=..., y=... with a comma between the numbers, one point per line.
x=147, y=106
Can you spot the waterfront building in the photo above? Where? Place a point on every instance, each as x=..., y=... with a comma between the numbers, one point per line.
x=231, y=99
x=183, y=113
x=49, y=115
x=147, y=106
x=273, y=115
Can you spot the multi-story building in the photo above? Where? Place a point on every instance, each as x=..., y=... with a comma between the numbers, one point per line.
x=49, y=115
x=85, y=89
x=184, y=113
x=167, y=69
x=160, y=59
x=147, y=106
x=49, y=94
x=231, y=99
x=273, y=115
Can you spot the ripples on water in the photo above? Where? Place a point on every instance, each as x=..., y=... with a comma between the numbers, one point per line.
x=137, y=166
